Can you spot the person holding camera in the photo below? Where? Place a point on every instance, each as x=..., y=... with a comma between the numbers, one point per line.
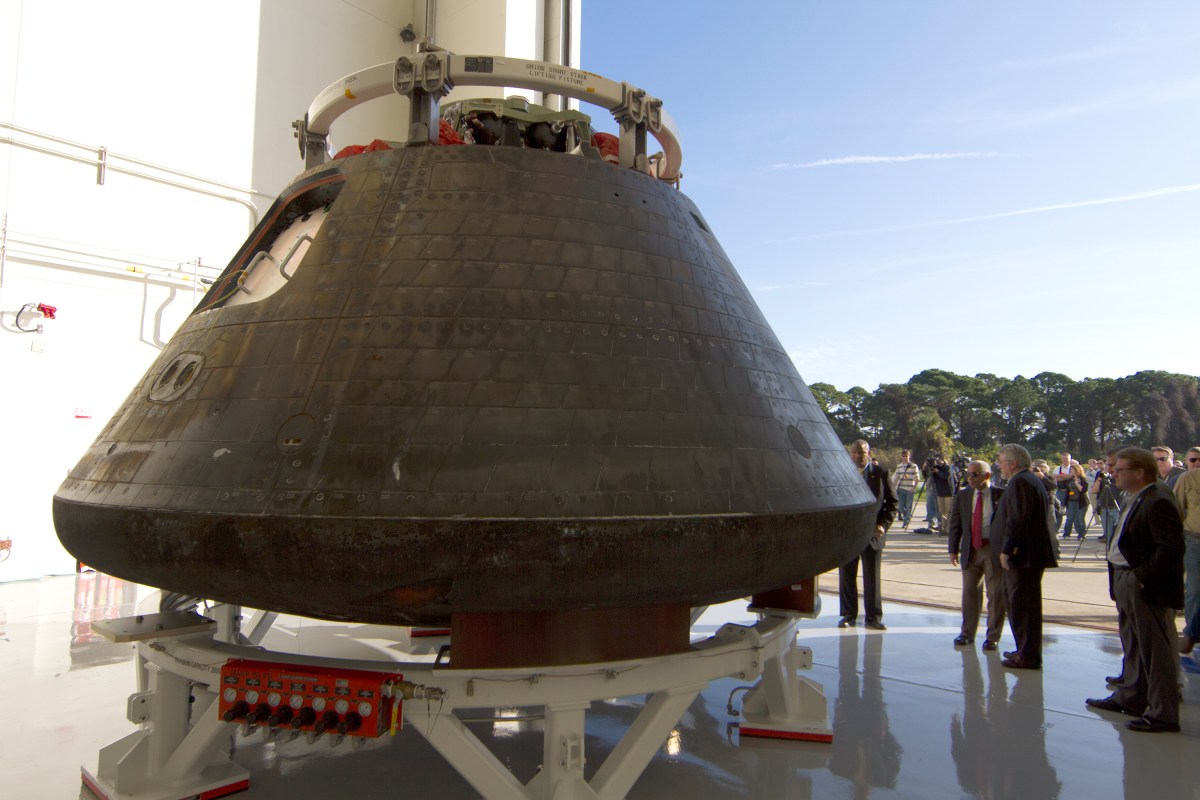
x=1076, y=489
x=933, y=520
x=1107, y=496
x=941, y=482
x=1089, y=473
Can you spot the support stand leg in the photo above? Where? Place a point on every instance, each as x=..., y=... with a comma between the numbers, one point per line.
x=165, y=760
x=469, y=756
x=229, y=623
x=564, y=757
x=784, y=705
x=632, y=754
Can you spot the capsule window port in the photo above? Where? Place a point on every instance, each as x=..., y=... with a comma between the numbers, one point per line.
x=169, y=373
x=185, y=375
x=177, y=378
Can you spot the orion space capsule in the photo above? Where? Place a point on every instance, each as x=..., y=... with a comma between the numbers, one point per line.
x=500, y=377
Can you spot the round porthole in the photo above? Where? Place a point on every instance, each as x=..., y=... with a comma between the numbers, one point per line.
x=169, y=373
x=184, y=379
x=799, y=441
x=177, y=378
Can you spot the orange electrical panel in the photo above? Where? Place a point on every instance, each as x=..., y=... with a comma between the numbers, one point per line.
x=322, y=700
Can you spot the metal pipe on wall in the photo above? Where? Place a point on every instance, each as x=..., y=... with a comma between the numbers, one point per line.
x=102, y=159
x=556, y=32
x=430, y=20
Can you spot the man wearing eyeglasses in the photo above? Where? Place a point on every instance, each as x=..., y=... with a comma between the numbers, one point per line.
x=1021, y=531
x=1164, y=457
x=1145, y=570
x=970, y=546
x=1187, y=496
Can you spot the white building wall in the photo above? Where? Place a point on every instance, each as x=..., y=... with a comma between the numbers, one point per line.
x=209, y=89
x=144, y=79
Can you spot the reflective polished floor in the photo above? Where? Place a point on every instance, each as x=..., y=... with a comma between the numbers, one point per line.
x=912, y=717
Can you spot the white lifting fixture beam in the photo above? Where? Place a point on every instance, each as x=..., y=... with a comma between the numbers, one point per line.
x=427, y=76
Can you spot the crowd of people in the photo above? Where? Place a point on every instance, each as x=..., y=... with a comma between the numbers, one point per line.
x=1002, y=521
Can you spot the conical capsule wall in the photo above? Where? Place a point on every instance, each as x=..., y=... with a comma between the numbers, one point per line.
x=494, y=379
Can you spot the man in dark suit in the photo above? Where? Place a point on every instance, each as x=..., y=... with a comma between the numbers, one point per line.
x=1026, y=551
x=1145, y=571
x=877, y=479
x=971, y=546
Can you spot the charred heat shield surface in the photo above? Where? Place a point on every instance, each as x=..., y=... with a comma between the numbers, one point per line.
x=498, y=380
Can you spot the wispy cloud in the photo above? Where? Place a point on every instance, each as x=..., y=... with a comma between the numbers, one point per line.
x=850, y=160
x=1099, y=201
x=1094, y=53
x=780, y=286
x=982, y=114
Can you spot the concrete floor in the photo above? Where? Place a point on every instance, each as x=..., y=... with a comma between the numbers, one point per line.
x=917, y=569
x=912, y=717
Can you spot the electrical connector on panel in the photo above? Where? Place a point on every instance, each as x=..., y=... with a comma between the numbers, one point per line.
x=46, y=310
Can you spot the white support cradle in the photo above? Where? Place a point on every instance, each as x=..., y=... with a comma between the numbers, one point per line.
x=173, y=757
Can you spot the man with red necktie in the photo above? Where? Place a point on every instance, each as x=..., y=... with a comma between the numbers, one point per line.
x=970, y=547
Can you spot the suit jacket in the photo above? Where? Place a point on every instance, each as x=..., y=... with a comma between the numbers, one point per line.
x=961, y=514
x=1020, y=520
x=881, y=487
x=1152, y=543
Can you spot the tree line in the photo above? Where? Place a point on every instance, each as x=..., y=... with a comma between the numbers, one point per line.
x=939, y=411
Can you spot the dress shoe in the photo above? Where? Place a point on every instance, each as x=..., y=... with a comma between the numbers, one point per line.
x=962, y=641
x=1108, y=704
x=846, y=622
x=1016, y=662
x=876, y=625
x=1114, y=679
x=990, y=646
x=1152, y=725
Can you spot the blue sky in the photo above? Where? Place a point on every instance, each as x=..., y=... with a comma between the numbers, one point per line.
x=1006, y=188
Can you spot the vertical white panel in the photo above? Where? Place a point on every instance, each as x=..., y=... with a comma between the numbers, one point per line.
x=305, y=45
x=523, y=37
x=473, y=26
x=208, y=88
x=170, y=83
